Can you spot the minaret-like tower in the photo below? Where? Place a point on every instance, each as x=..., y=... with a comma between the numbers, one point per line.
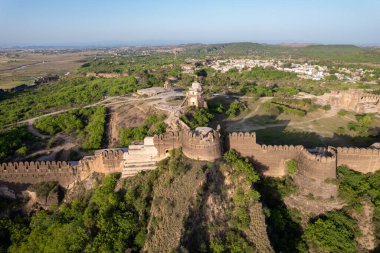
x=195, y=96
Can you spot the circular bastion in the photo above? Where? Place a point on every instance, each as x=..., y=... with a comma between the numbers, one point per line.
x=203, y=144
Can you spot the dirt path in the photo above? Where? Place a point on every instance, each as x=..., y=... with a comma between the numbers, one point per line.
x=35, y=132
x=109, y=101
x=367, y=238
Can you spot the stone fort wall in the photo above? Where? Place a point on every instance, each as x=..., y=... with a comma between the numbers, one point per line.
x=166, y=142
x=269, y=159
x=315, y=169
x=65, y=173
x=314, y=173
x=37, y=172
x=364, y=160
x=201, y=147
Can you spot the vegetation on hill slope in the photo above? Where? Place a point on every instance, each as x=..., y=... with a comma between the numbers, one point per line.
x=15, y=141
x=65, y=93
x=87, y=123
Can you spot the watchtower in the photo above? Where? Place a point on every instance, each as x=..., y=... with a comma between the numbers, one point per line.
x=195, y=96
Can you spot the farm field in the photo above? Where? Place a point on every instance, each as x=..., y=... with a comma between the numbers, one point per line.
x=25, y=67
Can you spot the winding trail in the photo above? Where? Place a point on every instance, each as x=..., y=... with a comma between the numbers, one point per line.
x=106, y=102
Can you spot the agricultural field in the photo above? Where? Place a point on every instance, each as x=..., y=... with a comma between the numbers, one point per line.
x=24, y=67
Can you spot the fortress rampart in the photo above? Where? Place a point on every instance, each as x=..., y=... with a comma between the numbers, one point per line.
x=36, y=172
x=315, y=170
x=166, y=142
x=316, y=166
x=356, y=100
x=200, y=145
x=364, y=160
x=269, y=159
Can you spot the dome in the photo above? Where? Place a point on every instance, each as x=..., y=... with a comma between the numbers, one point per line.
x=196, y=86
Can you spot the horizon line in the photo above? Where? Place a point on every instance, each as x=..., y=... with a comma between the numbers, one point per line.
x=157, y=43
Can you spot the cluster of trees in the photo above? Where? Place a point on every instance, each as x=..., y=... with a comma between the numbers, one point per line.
x=355, y=188
x=95, y=129
x=86, y=123
x=245, y=81
x=359, y=128
x=326, y=53
x=284, y=224
x=65, y=93
x=333, y=232
x=15, y=141
x=132, y=64
x=102, y=221
x=235, y=109
x=305, y=104
x=276, y=109
x=154, y=124
x=197, y=117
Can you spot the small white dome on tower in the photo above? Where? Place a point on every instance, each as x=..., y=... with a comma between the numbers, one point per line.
x=196, y=86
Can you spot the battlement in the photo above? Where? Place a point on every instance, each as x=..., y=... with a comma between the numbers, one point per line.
x=36, y=172
x=208, y=135
x=320, y=158
x=166, y=136
x=370, y=98
x=203, y=143
x=358, y=151
x=27, y=167
x=280, y=147
x=242, y=136
x=356, y=100
x=110, y=153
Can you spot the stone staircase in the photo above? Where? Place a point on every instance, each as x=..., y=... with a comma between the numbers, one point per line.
x=132, y=168
x=140, y=157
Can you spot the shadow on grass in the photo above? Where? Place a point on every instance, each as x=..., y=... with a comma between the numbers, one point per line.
x=277, y=134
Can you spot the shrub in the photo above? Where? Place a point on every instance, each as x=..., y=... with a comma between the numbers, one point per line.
x=333, y=233
x=326, y=107
x=292, y=167
x=200, y=117
x=15, y=141
x=342, y=112
x=235, y=109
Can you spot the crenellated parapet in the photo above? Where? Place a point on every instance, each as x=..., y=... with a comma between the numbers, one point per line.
x=166, y=142
x=315, y=171
x=40, y=171
x=107, y=161
x=358, y=151
x=264, y=147
x=364, y=160
x=203, y=143
x=319, y=157
x=244, y=143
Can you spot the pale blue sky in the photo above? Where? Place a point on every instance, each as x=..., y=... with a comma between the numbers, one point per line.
x=90, y=22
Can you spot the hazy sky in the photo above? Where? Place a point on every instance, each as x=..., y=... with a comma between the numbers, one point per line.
x=90, y=22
